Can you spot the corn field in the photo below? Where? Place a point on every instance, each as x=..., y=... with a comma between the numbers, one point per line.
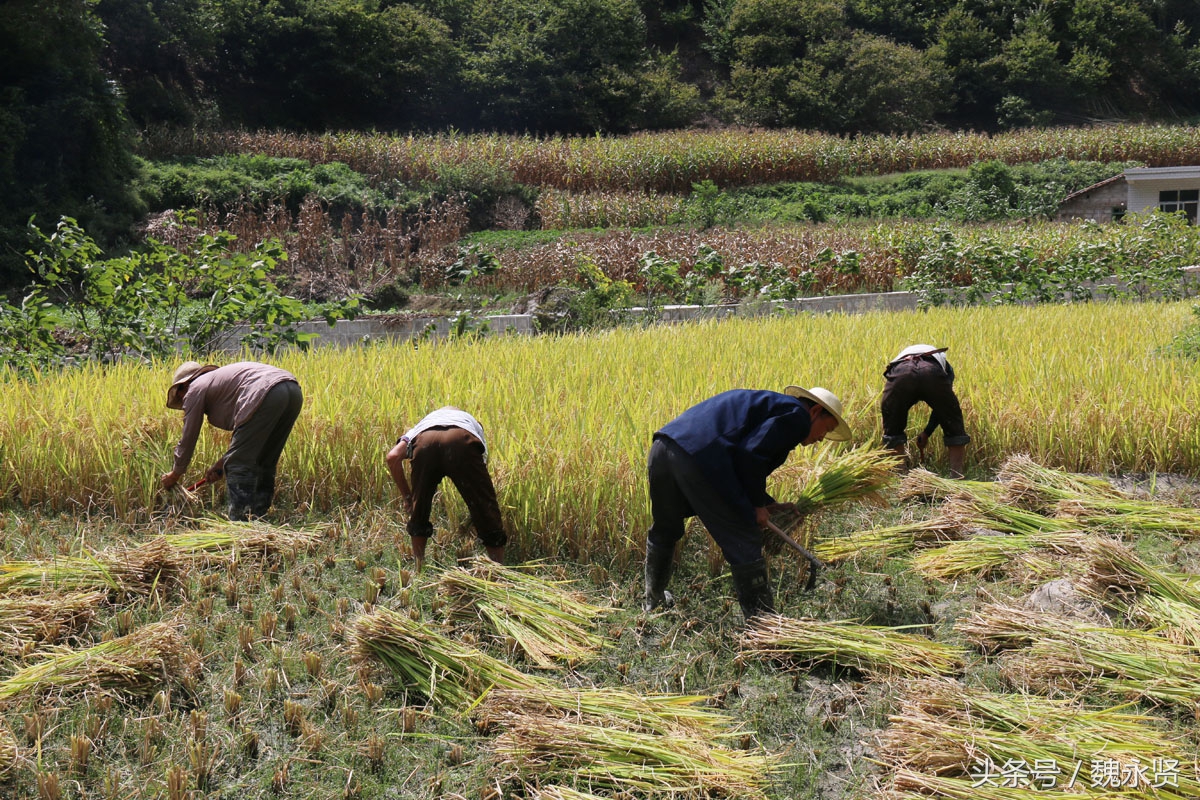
x=569, y=419
x=672, y=162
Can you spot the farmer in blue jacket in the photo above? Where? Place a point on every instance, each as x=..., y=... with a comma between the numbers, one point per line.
x=712, y=462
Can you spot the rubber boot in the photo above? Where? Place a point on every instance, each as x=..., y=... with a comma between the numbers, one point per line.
x=753, y=588
x=240, y=497
x=659, y=565
x=264, y=494
x=957, y=454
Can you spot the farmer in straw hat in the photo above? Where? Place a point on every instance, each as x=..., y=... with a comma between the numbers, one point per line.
x=921, y=373
x=447, y=443
x=259, y=403
x=712, y=462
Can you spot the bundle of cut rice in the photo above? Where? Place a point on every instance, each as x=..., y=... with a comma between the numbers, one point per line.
x=667, y=714
x=999, y=626
x=1176, y=621
x=858, y=474
x=888, y=541
x=430, y=664
x=921, y=485
x=1117, y=660
x=943, y=727
x=1032, y=486
x=137, y=663
x=869, y=649
x=971, y=512
x=218, y=538
x=154, y=566
x=1115, y=571
x=984, y=555
x=554, y=750
x=543, y=619
x=1135, y=516
x=908, y=784
x=26, y=619
x=8, y=750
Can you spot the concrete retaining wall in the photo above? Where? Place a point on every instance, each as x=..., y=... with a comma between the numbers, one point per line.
x=397, y=327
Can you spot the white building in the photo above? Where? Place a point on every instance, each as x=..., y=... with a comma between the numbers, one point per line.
x=1136, y=190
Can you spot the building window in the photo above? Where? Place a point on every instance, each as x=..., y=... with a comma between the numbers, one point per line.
x=1185, y=200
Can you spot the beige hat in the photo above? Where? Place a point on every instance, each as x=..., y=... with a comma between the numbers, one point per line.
x=187, y=372
x=828, y=401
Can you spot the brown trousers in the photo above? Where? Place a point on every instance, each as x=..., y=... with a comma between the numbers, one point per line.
x=455, y=454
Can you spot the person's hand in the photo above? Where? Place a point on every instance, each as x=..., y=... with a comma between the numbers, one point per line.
x=170, y=479
x=922, y=440
x=783, y=508
x=408, y=502
x=762, y=516
x=215, y=472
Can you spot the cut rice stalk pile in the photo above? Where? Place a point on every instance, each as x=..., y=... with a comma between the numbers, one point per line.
x=859, y=474
x=1117, y=660
x=557, y=793
x=887, y=541
x=908, y=784
x=154, y=566
x=984, y=555
x=137, y=663
x=596, y=757
x=872, y=650
x=943, y=728
x=1115, y=571
x=970, y=512
x=540, y=618
x=8, y=750
x=921, y=485
x=223, y=539
x=1135, y=516
x=1030, y=485
x=999, y=626
x=667, y=714
x=1171, y=619
x=33, y=619
x=428, y=663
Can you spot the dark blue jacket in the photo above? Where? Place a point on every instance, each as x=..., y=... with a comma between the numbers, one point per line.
x=738, y=438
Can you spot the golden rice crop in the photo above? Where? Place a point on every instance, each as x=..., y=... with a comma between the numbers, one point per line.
x=869, y=649
x=138, y=663
x=831, y=480
x=541, y=618
x=568, y=444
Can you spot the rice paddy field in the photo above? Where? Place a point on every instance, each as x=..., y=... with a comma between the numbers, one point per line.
x=1032, y=631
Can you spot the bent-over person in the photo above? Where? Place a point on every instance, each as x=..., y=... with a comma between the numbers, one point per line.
x=260, y=404
x=712, y=462
x=448, y=443
x=921, y=373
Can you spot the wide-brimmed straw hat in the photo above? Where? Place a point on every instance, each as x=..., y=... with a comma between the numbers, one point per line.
x=828, y=401
x=187, y=372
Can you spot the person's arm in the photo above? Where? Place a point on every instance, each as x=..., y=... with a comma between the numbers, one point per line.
x=193, y=420
x=395, y=462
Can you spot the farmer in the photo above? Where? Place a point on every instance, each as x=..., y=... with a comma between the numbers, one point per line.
x=712, y=462
x=448, y=443
x=259, y=403
x=922, y=373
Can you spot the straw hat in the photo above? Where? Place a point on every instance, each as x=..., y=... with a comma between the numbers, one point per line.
x=187, y=372
x=828, y=401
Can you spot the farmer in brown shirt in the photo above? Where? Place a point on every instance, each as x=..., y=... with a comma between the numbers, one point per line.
x=259, y=403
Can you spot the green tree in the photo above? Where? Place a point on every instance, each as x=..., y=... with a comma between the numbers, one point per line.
x=564, y=66
x=65, y=145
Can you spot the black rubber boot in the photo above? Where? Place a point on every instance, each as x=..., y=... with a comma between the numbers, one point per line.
x=753, y=588
x=659, y=564
x=264, y=494
x=240, y=497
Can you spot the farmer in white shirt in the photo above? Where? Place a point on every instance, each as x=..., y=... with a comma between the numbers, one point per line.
x=448, y=443
x=921, y=373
